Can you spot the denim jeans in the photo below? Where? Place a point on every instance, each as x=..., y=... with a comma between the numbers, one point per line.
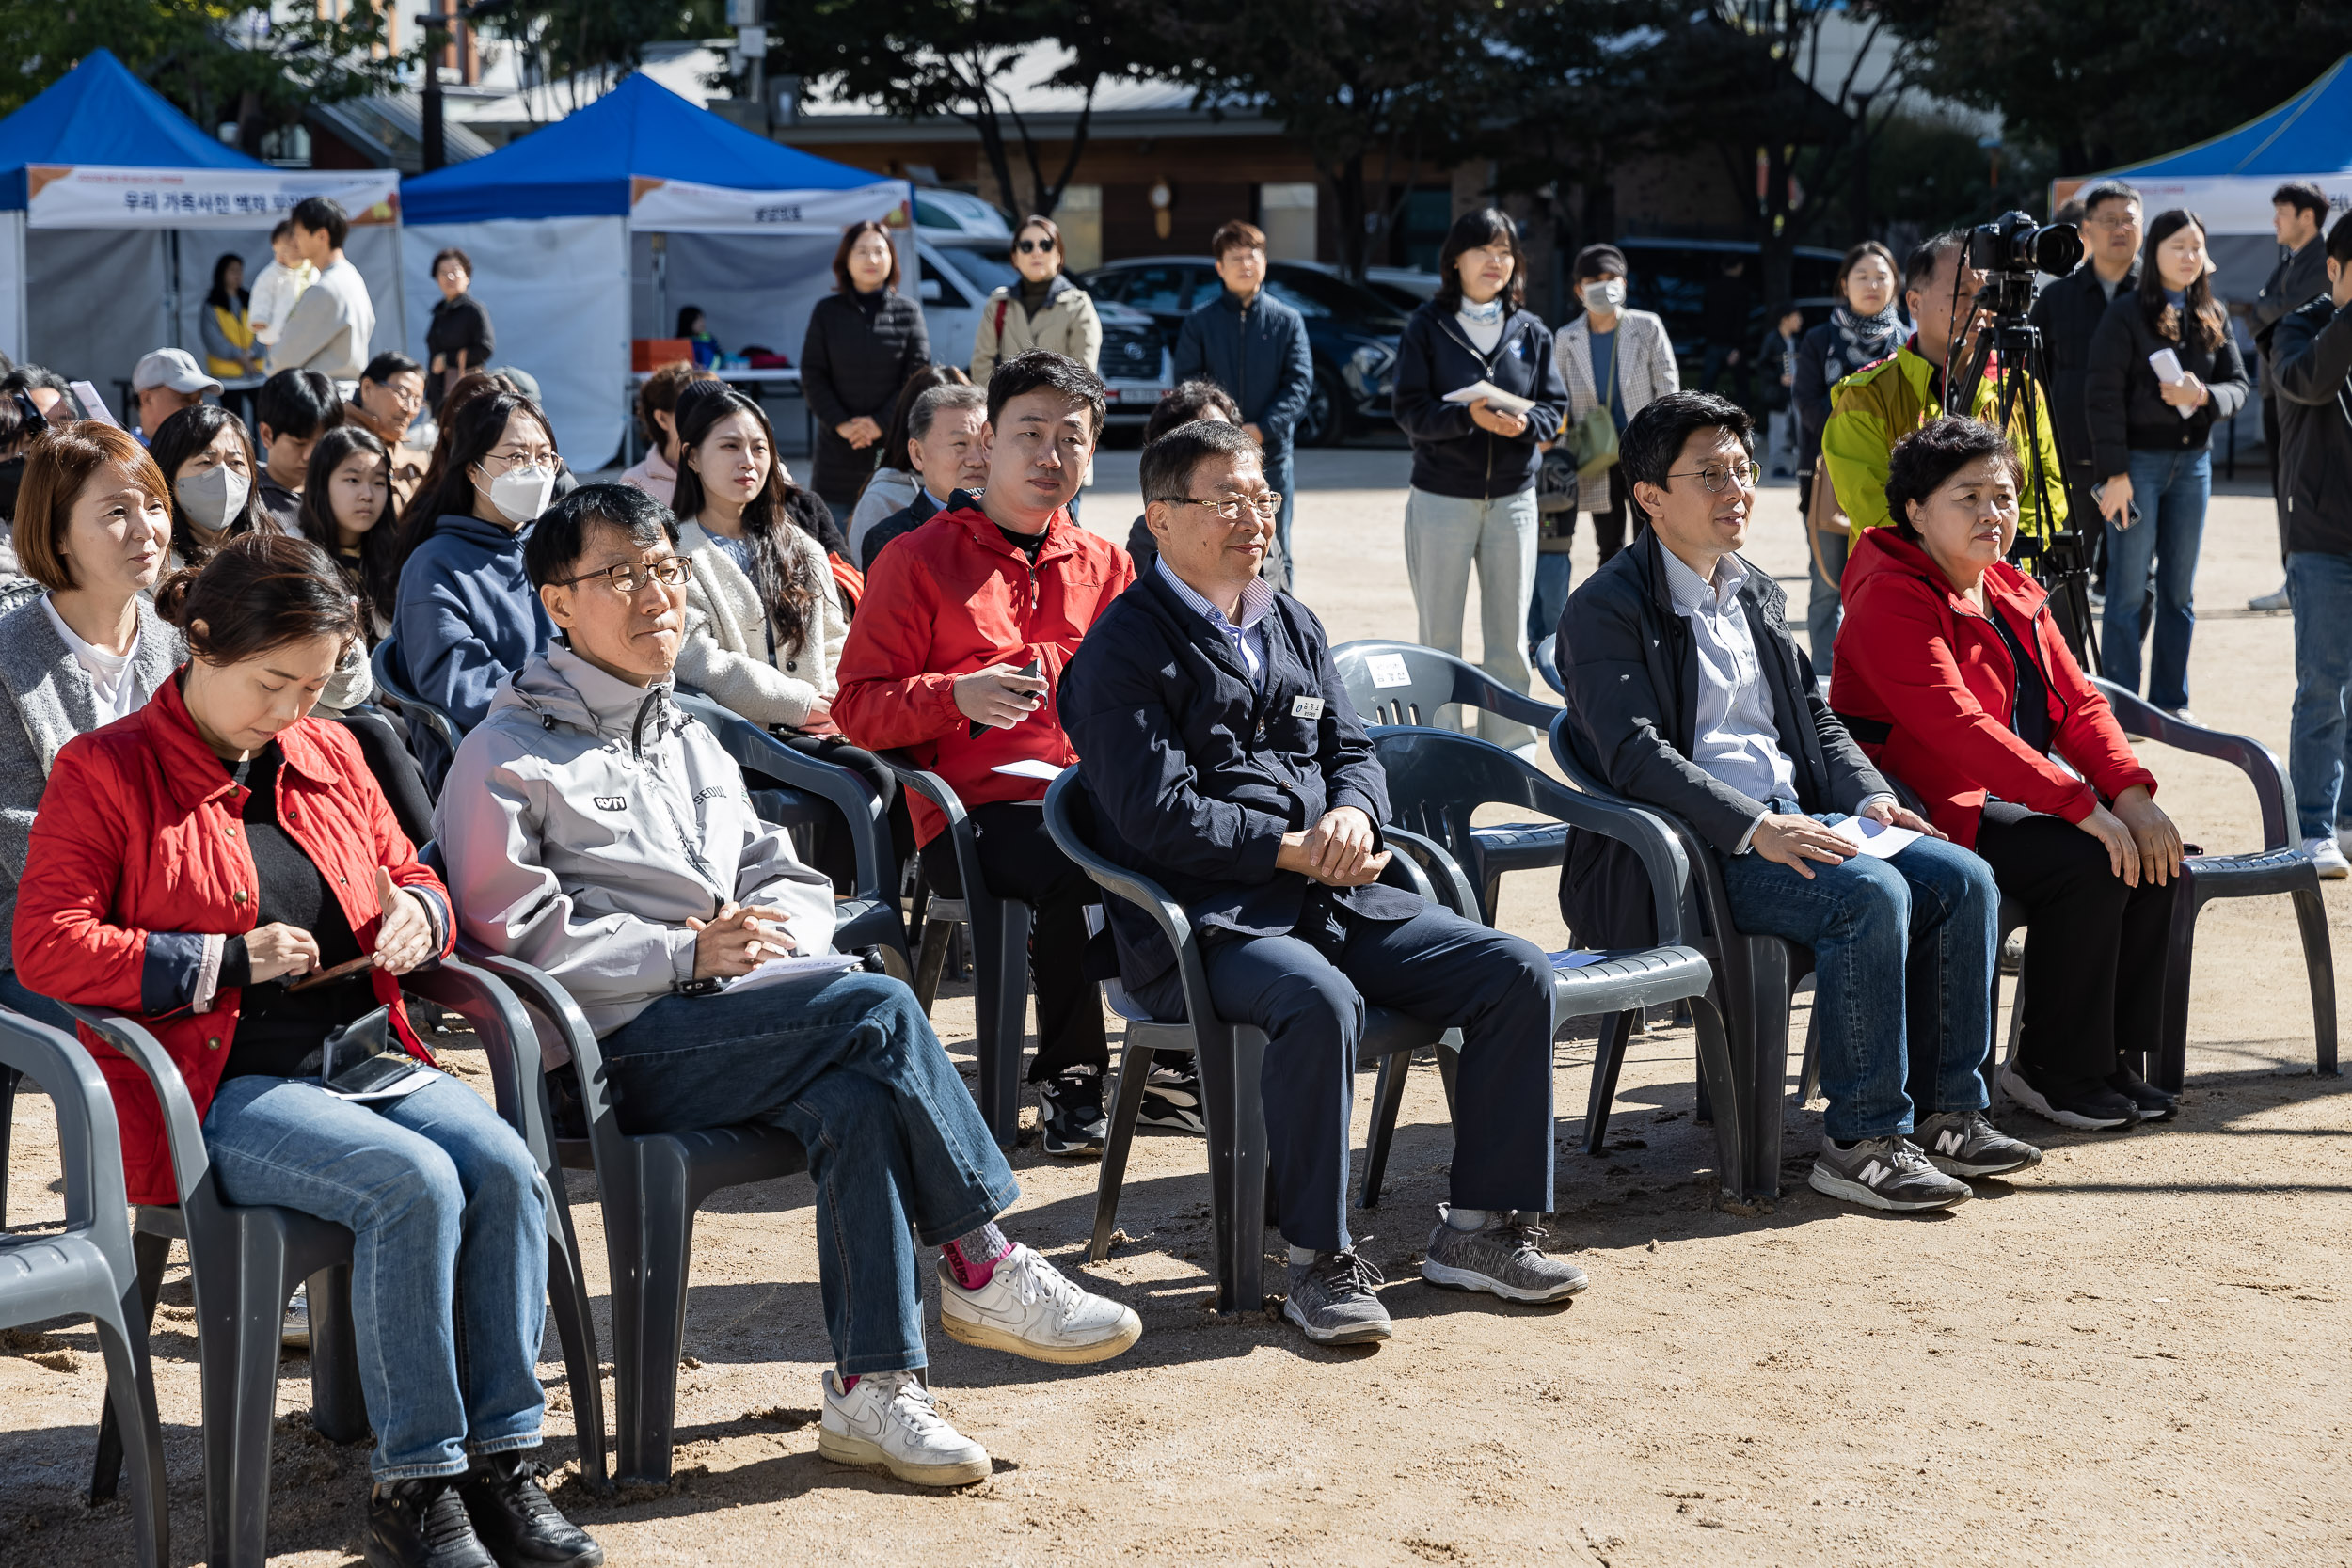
x=1902, y=953
x=449, y=1265
x=14, y=997
x=848, y=1065
x=2321, y=586
x=1548, y=599
x=1825, y=603
x=1281, y=475
x=2170, y=489
x=1445, y=536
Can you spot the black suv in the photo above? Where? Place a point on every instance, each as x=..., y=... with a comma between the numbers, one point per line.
x=1351, y=332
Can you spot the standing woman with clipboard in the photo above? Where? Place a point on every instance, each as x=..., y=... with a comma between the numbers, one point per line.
x=1472, y=501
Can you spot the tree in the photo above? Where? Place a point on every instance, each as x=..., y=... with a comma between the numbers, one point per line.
x=589, y=46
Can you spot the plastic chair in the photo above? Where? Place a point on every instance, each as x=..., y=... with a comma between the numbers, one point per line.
x=441, y=730
x=869, y=916
x=245, y=1261
x=89, y=1271
x=999, y=930
x=1402, y=683
x=650, y=1186
x=1545, y=657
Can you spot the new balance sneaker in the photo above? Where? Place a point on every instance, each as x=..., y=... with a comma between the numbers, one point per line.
x=2090, y=1105
x=1965, y=1143
x=1171, y=1099
x=2328, y=856
x=1885, y=1173
x=1503, y=1258
x=1032, y=1309
x=1070, y=1107
x=891, y=1420
x=1332, y=1300
x=2153, y=1104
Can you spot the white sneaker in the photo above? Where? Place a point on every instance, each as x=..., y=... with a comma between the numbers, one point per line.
x=1031, y=1308
x=2326, y=855
x=293, y=1331
x=891, y=1420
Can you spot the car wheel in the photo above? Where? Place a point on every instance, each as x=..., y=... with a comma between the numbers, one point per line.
x=1324, y=422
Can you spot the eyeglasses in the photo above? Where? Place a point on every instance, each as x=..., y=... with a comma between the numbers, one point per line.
x=1230, y=508
x=1716, y=475
x=1030, y=247
x=631, y=576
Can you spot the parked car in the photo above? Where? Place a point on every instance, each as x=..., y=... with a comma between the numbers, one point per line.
x=1351, y=331
x=948, y=214
x=1670, y=276
x=1407, y=287
x=960, y=275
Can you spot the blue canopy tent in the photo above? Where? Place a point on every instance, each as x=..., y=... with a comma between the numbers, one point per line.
x=113, y=207
x=581, y=233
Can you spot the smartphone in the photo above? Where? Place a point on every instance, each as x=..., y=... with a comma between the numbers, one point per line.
x=2131, y=510
x=979, y=729
x=326, y=976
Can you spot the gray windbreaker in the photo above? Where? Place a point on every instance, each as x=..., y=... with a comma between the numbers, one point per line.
x=585, y=820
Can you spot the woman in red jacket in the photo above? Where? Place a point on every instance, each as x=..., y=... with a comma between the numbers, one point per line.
x=191, y=859
x=1952, y=674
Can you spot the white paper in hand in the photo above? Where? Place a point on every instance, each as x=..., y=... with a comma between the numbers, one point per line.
x=1509, y=402
x=1030, y=767
x=1879, y=840
x=2167, y=365
x=95, y=406
x=775, y=971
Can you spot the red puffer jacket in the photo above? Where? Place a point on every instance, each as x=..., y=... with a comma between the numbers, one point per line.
x=139, y=855
x=1919, y=669
x=955, y=596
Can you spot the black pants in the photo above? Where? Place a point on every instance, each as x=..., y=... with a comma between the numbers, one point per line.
x=1020, y=860
x=2277, y=489
x=383, y=742
x=1609, y=526
x=2094, y=948
x=829, y=850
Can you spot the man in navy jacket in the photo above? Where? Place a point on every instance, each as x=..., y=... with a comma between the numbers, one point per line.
x=1255, y=347
x=1223, y=760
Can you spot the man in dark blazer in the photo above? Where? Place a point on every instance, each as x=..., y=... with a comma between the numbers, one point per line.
x=1689, y=692
x=2298, y=212
x=1223, y=760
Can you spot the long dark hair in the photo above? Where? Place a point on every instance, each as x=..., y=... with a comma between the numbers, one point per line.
x=1469, y=231
x=219, y=296
x=841, y=256
x=180, y=437
x=768, y=521
x=2206, y=310
x=894, y=451
x=377, y=576
x=467, y=440
x=256, y=594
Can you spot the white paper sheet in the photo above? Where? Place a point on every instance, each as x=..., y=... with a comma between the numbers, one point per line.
x=1030, y=767
x=775, y=971
x=2167, y=365
x=92, y=404
x=1510, y=402
x=1878, y=840
x=1388, y=670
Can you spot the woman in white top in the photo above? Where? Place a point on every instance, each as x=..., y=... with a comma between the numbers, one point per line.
x=93, y=528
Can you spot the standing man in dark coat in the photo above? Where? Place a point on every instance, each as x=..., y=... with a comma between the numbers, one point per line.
x=2068, y=312
x=2298, y=211
x=1223, y=759
x=1255, y=347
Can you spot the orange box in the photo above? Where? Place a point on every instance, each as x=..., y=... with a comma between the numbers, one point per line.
x=651, y=353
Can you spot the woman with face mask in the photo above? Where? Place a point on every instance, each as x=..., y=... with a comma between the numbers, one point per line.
x=1614, y=358
x=465, y=616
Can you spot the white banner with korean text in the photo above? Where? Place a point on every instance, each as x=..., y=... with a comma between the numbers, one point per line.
x=683, y=207
x=87, y=196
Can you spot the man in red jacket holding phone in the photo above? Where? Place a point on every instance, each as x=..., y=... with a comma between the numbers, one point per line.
x=956, y=653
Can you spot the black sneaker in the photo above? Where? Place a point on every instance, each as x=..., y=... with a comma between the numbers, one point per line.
x=515, y=1518
x=2155, y=1104
x=2090, y=1105
x=1071, y=1114
x=1171, y=1099
x=422, y=1523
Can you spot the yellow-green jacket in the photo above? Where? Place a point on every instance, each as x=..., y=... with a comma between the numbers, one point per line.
x=1878, y=404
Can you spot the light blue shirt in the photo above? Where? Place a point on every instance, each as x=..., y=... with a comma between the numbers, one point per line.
x=1247, y=641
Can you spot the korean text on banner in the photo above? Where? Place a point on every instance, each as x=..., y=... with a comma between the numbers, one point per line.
x=682, y=206
x=87, y=196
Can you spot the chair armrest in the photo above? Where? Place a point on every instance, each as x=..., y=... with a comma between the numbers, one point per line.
x=1666, y=847
x=2258, y=762
x=1547, y=664
x=184, y=1134
x=88, y=1142
x=504, y=1029
x=541, y=994
x=940, y=793
x=1137, y=890
x=1443, y=881
x=756, y=749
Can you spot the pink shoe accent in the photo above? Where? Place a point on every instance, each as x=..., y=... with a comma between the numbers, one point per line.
x=850, y=1381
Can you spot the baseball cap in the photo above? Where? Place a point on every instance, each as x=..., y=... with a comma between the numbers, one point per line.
x=174, y=368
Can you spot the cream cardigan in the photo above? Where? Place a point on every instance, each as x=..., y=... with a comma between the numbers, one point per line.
x=724, y=653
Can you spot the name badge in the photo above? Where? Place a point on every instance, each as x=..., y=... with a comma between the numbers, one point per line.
x=1306, y=708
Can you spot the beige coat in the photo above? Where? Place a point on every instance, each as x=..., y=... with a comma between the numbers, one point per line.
x=1067, y=325
x=725, y=653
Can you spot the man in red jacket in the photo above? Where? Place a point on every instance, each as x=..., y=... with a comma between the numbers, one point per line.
x=954, y=654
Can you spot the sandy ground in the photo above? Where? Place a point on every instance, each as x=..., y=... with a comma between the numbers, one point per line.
x=2133, y=1356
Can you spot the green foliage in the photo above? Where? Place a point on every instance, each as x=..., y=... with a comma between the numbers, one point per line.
x=601, y=38
x=1927, y=170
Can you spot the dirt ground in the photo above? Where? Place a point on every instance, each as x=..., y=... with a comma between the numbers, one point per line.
x=2132, y=1356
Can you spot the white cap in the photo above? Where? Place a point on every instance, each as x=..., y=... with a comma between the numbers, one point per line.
x=174, y=368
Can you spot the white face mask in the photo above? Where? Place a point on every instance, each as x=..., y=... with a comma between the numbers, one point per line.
x=1604, y=297
x=521, y=494
x=213, y=497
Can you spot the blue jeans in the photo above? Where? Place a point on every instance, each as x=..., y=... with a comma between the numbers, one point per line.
x=447, y=1230
x=2170, y=489
x=1547, y=598
x=848, y=1065
x=2321, y=586
x=14, y=997
x=1824, y=609
x=1281, y=475
x=1902, y=953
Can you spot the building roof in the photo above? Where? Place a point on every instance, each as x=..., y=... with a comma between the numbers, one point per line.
x=387, y=129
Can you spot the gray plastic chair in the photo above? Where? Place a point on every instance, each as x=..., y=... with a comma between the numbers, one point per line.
x=87, y=1270
x=442, y=730
x=1546, y=660
x=650, y=1186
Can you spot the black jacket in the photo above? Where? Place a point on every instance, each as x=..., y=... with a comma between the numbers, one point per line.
x=1194, y=776
x=859, y=350
x=2120, y=391
x=461, y=325
x=2068, y=312
x=2295, y=282
x=905, y=520
x=1259, y=355
x=1452, y=455
x=1632, y=679
x=2311, y=355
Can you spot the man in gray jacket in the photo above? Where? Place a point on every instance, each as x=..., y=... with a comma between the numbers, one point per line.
x=592, y=828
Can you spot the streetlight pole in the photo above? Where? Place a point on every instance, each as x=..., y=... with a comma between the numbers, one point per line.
x=435, y=25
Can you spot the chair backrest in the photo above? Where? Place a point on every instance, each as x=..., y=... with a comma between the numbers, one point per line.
x=1547, y=659
x=847, y=790
x=88, y=1142
x=560, y=1021
x=913, y=776
x=386, y=666
x=1404, y=682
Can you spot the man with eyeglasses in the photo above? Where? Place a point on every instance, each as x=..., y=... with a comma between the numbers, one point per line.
x=1688, y=692
x=591, y=829
x=1226, y=763
x=2067, y=311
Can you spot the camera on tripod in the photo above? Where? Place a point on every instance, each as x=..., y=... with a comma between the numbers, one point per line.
x=2010, y=250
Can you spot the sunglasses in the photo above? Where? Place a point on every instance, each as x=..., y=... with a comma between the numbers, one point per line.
x=1030, y=247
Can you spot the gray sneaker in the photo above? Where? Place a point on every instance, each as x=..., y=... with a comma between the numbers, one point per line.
x=1965, y=1143
x=1332, y=1300
x=2271, y=604
x=1501, y=1258
x=1885, y=1173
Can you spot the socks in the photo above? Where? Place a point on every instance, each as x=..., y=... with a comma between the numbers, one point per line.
x=973, y=1257
x=848, y=1383
x=1303, y=1258
x=1458, y=1218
